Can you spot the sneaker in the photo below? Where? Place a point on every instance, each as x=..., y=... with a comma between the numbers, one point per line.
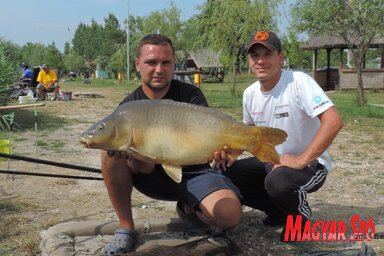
x=274, y=221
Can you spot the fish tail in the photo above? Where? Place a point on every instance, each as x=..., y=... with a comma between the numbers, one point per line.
x=269, y=138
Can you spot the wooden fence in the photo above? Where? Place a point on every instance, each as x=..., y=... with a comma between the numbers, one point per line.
x=372, y=79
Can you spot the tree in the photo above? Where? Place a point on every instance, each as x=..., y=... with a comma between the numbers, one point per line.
x=88, y=40
x=52, y=56
x=357, y=22
x=67, y=48
x=293, y=55
x=11, y=51
x=8, y=72
x=166, y=22
x=73, y=61
x=227, y=26
x=97, y=43
x=35, y=54
x=113, y=37
x=118, y=61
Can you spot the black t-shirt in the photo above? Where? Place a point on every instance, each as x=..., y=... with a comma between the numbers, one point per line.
x=178, y=91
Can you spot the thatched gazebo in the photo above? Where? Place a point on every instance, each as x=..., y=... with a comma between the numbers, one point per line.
x=208, y=62
x=204, y=58
x=343, y=77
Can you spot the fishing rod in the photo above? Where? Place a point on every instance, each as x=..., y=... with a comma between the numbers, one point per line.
x=47, y=162
x=50, y=175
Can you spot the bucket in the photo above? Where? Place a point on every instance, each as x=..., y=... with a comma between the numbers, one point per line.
x=26, y=99
x=4, y=148
x=67, y=96
x=50, y=96
x=23, y=99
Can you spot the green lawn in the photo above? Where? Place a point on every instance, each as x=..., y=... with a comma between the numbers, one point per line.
x=371, y=114
x=222, y=97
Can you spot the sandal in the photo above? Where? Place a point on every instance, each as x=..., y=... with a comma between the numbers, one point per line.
x=192, y=224
x=122, y=242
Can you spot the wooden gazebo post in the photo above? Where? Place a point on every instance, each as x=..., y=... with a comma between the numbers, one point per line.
x=314, y=64
x=382, y=57
x=341, y=50
x=328, y=74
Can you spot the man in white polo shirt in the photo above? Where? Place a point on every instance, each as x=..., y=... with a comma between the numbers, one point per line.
x=295, y=103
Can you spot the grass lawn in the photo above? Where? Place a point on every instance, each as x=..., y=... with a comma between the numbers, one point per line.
x=352, y=188
x=220, y=96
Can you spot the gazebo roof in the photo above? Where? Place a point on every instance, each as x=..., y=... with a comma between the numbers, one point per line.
x=205, y=58
x=332, y=42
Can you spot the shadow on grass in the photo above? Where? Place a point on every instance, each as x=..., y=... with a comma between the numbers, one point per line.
x=9, y=217
x=24, y=120
x=11, y=228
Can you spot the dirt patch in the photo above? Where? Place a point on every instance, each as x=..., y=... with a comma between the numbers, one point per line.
x=29, y=204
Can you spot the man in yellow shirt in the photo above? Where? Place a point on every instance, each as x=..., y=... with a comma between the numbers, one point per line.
x=47, y=79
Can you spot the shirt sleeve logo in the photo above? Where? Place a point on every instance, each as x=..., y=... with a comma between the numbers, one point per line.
x=317, y=99
x=319, y=102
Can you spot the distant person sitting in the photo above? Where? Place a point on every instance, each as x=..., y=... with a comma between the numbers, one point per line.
x=27, y=73
x=47, y=79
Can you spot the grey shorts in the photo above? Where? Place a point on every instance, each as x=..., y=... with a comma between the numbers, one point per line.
x=193, y=188
x=51, y=89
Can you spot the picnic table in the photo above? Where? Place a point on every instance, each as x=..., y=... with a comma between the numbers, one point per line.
x=187, y=75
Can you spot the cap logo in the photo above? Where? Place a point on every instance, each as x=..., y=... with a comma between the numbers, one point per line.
x=261, y=36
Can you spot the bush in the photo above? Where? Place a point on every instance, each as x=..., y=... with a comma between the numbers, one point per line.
x=8, y=75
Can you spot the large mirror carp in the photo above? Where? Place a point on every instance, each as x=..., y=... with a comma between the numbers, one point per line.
x=177, y=134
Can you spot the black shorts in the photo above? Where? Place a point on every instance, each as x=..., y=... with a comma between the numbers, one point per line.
x=193, y=188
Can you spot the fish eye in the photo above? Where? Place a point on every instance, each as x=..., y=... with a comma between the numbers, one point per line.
x=101, y=127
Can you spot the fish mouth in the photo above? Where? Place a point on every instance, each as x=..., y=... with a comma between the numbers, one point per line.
x=85, y=142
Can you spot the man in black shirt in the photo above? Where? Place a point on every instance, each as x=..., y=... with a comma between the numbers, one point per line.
x=203, y=192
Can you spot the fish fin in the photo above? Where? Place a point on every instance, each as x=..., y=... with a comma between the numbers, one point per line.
x=270, y=137
x=174, y=172
x=266, y=153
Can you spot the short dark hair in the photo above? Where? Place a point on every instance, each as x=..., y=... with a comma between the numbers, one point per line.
x=155, y=39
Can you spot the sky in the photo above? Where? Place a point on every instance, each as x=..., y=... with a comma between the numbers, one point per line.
x=48, y=21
